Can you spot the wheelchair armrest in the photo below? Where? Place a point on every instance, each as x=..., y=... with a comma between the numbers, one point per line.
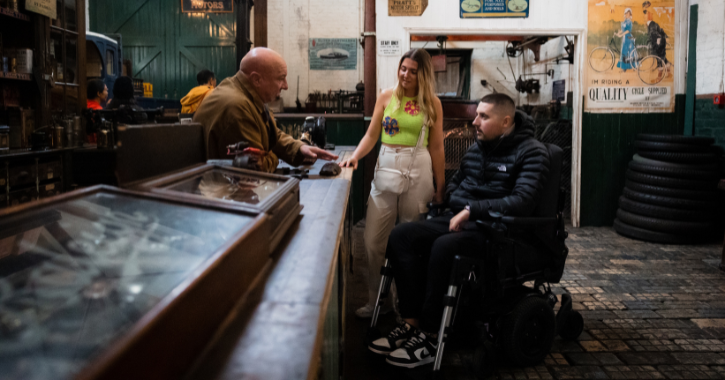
x=432, y=205
x=527, y=221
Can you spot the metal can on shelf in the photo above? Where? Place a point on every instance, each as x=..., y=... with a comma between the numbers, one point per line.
x=4, y=137
x=57, y=137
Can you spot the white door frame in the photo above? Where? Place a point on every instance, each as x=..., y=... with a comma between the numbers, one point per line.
x=577, y=88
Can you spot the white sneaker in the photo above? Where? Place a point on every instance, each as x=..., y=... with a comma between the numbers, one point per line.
x=367, y=311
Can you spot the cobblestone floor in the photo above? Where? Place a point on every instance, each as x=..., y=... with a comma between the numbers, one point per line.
x=650, y=312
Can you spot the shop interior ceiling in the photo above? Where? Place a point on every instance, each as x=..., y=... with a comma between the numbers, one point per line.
x=525, y=82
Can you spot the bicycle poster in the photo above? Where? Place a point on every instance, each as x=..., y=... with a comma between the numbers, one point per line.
x=630, y=55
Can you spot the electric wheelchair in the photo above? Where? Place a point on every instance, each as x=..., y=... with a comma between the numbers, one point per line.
x=512, y=318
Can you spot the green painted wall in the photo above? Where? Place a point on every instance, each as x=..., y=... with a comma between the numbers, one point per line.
x=710, y=121
x=168, y=48
x=607, y=148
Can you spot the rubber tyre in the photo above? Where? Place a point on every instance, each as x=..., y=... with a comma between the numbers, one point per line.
x=674, y=172
x=573, y=326
x=674, y=193
x=664, y=225
x=676, y=139
x=684, y=204
x=660, y=212
x=667, y=147
x=528, y=332
x=654, y=236
x=648, y=161
x=675, y=183
x=707, y=158
x=484, y=360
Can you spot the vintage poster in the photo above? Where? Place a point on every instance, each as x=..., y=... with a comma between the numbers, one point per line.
x=43, y=7
x=406, y=7
x=630, y=55
x=333, y=53
x=493, y=8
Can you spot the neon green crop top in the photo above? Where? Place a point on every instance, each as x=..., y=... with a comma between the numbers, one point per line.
x=402, y=127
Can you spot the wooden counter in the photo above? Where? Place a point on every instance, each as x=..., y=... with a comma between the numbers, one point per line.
x=276, y=333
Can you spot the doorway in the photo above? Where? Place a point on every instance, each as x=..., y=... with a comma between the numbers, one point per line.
x=539, y=70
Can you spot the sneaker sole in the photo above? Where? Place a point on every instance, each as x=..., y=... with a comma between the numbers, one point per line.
x=379, y=352
x=425, y=361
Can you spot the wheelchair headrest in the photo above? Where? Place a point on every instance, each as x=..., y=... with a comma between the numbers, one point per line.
x=549, y=199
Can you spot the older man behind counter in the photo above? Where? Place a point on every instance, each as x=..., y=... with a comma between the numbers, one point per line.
x=236, y=111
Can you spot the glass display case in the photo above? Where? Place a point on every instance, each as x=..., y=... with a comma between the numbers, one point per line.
x=233, y=188
x=106, y=282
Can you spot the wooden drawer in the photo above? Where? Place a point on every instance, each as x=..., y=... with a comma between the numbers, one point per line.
x=50, y=170
x=18, y=197
x=22, y=174
x=50, y=189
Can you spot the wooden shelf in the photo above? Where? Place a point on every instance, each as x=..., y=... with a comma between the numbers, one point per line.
x=16, y=76
x=60, y=30
x=13, y=14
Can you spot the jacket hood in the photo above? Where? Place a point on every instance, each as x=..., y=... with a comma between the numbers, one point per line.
x=524, y=129
x=195, y=95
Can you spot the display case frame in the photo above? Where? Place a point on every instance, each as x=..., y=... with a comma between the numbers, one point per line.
x=283, y=206
x=164, y=342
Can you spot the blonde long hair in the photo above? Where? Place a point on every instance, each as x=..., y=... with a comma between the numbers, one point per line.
x=426, y=84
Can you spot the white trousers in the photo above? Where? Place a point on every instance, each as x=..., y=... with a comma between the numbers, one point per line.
x=385, y=208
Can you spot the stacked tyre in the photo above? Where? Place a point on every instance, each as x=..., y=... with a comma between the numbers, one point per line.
x=670, y=193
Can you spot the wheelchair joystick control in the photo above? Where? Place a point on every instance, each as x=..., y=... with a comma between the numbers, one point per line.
x=497, y=225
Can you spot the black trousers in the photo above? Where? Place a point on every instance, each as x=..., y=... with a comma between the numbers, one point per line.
x=421, y=255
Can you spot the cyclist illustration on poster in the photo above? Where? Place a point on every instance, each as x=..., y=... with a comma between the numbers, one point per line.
x=629, y=56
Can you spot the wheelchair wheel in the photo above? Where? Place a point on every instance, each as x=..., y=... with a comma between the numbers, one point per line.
x=484, y=360
x=573, y=325
x=528, y=332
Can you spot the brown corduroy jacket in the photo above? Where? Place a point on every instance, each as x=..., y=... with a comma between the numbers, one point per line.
x=233, y=112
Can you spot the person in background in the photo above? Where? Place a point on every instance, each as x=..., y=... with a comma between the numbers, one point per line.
x=123, y=99
x=236, y=111
x=657, y=40
x=403, y=115
x=97, y=93
x=192, y=100
x=625, y=59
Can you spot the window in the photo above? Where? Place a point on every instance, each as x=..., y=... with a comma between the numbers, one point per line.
x=109, y=63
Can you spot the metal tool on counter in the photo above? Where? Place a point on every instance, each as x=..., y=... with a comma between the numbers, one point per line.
x=245, y=157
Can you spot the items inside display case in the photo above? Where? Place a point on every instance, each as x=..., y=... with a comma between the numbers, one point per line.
x=78, y=274
x=229, y=186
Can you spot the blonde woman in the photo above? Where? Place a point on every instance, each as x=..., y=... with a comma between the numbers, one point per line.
x=409, y=118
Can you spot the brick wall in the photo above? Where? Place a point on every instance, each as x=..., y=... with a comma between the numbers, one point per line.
x=710, y=121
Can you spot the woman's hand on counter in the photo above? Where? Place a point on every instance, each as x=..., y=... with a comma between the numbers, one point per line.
x=349, y=163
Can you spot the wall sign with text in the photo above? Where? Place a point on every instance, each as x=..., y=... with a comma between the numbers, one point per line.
x=207, y=6
x=406, y=7
x=43, y=7
x=493, y=8
x=389, y=47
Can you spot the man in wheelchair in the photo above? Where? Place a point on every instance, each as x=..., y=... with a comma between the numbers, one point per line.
x=503, y=173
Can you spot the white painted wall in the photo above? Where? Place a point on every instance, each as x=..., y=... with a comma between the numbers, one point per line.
x=710, y=46
x=290, y=25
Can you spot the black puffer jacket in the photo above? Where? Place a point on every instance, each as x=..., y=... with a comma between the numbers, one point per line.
x=505, y=175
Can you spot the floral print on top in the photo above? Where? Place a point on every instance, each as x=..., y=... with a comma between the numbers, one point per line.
x=391, y=126
x=412, y=108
